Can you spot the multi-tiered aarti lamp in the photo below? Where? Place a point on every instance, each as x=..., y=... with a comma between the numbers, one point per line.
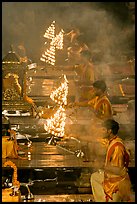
x=56, y=124
x=56, y=42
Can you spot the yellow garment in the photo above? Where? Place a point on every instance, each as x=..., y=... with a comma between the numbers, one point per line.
x=108, y=186
x=86, y=72
x=9, y=148
x=11, y=82
x=101, y=106
x=28, y=99
x=99, y=195
x=6, y=196
x=113, y=182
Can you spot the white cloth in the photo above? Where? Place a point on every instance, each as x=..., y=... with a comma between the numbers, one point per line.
x=97, y=188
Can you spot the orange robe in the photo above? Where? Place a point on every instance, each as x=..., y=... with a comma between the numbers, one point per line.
x=117, y=156
x=101, y=106
x=9, y=148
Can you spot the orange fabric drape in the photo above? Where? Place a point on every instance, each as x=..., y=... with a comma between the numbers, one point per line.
x=116, y=157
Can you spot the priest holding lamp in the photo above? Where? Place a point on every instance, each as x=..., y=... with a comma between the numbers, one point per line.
x=98, y=101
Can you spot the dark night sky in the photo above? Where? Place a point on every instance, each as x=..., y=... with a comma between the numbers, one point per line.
x=105, y=26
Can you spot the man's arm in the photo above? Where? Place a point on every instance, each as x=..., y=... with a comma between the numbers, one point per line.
x=114, y=169
x=81, y=104
x=116, y=164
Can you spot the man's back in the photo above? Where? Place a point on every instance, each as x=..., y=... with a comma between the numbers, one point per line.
x=101, y=106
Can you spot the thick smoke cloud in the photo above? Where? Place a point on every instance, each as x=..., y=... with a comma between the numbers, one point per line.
x=105, y=31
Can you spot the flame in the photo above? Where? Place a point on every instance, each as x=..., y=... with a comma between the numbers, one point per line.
x=50, y=55
x=60, y=94
x=56, y=42
x=50, y=32
x=56, y=123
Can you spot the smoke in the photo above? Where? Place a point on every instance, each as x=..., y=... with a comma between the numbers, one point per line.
x=109, y=34
x=24, y=23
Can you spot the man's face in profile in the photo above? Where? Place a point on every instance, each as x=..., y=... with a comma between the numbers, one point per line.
x=105, y=132
x=97, y=91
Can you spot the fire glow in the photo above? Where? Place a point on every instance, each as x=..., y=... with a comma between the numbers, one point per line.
x=60, y=94
x=56, y=123
x=56, y=43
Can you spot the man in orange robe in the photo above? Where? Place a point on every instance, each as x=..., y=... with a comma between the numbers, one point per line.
x=98, y=101
x=112, y=184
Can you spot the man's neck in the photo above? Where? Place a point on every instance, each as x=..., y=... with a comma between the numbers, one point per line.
x=112, y=136
x=102, y=94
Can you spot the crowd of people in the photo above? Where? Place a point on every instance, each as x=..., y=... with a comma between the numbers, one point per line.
x=111, y=183
x=79, y=55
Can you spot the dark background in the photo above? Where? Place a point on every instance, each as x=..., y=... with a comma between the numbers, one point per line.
x=106, y=27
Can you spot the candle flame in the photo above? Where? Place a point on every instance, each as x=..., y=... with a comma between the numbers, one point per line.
x=56, y=42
